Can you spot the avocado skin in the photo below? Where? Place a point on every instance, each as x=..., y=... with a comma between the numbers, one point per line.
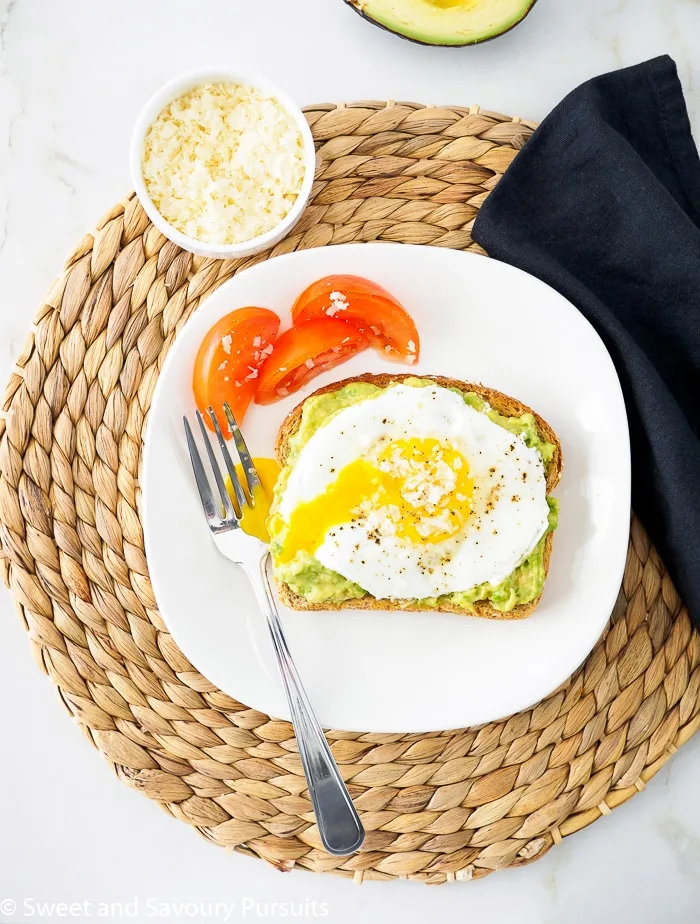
x=353, y=4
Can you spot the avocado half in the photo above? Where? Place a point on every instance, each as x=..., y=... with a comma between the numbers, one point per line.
x=444, y=22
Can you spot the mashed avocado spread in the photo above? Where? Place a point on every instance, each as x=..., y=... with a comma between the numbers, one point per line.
x=308, y=578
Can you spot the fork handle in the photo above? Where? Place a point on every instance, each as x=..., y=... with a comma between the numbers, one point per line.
x=339, y=824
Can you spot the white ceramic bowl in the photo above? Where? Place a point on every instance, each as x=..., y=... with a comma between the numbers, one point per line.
x=178, y=87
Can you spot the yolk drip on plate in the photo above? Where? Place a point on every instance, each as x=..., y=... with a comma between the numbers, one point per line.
x=255, y=517
x=418, y=489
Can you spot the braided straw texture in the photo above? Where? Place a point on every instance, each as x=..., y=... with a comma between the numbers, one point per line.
x=437, y=807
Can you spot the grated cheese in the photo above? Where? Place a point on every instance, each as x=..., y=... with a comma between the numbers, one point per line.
x=223, y=163
x=338, y=303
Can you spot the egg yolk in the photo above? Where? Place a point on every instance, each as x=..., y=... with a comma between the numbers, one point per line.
x=417, y=489
x=254, y=517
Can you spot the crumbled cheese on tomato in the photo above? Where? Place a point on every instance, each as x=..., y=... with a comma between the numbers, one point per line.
x=226, y=342
x=224, y=163
x=338, y=303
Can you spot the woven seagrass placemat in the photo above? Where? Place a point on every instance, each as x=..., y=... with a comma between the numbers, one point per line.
x=437, y=807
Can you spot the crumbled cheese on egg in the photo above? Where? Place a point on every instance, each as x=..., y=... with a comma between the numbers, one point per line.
x=420, y=492
x=223, y=163
x=427, y=526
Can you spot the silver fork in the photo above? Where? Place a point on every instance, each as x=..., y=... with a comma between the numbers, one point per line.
x=338, y=822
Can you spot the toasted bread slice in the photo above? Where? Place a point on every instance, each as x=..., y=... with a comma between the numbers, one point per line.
x=509, y=407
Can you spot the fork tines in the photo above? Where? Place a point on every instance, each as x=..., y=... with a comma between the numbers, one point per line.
x=221, y=515
x=251, y=476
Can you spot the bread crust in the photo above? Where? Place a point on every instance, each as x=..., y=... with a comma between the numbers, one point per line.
x=504, y=404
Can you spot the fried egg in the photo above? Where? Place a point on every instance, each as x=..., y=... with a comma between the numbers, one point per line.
x=412, y=493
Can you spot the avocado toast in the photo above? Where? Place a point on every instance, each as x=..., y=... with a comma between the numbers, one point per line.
x=306, y=584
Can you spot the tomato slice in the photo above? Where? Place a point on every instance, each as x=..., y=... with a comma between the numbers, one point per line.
x=228, y=362
x=381, y=318
x=303, y=352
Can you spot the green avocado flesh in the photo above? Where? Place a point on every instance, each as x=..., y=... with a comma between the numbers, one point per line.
x=308, y=578
x=445, y=22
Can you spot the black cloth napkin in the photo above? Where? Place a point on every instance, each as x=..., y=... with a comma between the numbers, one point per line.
x=603, y=203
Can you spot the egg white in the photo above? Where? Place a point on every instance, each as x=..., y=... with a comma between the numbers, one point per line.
x=503, y=528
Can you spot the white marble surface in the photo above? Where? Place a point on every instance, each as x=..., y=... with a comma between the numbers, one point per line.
x=73, y=74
